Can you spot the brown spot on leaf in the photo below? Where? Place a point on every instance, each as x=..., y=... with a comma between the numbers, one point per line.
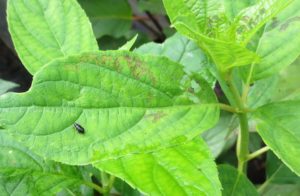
x=155, y=116
x=285, y=25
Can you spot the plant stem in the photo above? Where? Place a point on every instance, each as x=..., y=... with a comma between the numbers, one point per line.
x=243, y=137
x=243, y=143
x=258, y=153
x=228, y=108
x=94, y=186
x=107, y=183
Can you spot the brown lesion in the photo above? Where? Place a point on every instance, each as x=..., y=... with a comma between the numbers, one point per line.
x=138, y=69
x=155, y=117
x=285, y=25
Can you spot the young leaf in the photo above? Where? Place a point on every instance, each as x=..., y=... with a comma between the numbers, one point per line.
x=235, y=183
x=24, y=173
x=44, y=30
x=187, y=169
x=278, y=125
x=126, y=103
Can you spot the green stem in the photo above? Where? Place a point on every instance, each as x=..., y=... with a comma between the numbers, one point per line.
x=228, y=108
x=94, y=186
x=243, y=137
x=107, y=183
x=258, y=153
x=243, y=143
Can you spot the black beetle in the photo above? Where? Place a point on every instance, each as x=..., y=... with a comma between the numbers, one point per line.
x=79, y=128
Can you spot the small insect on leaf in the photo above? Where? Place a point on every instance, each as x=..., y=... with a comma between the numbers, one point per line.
x=79, y=128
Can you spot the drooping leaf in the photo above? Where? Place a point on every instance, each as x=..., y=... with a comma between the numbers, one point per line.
x=24, y=173
x=108, y=17
x=278, y=125
x=126, y=103
x=44, y=30
x=235, y=183
x=278, y=45
x=187, y=169
x=181, y=50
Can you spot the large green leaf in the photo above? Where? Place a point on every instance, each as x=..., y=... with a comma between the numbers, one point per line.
x=24, y=173
x=279, y=44
x=126, y=103
x=184, y=51
x=278, y=125
x=43, y=30
x=187, y=169
x=109, y=17
x=235, y=183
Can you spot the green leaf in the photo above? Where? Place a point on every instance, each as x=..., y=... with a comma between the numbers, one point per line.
x=183, y=51
x=235, y=183
x=218, y=136
x=6, y=86
x=124, y=189
x=24, y=173
x=44, y=30
x=278, y=173
x=279, y=44
x=128, y=45
x=262, y=92
x=282, y=190
x=278, y=125
x=153, y=6
x=280, y=179
x=125, y=102
x=109, y=17
x=288, y=83
x=205, y=22
x=251, y=19
x=187, y=169
x=233, y=8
